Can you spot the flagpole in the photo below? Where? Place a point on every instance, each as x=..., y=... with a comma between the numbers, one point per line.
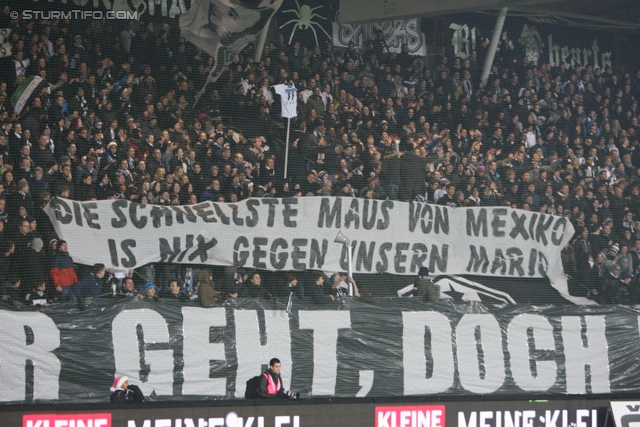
x=201, y=92
x=262, y=37
x=286, y=149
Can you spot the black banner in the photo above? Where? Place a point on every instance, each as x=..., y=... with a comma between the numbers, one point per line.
x=540, y=43
x=393, y=347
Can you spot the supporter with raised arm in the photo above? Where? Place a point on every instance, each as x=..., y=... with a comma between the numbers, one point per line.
x=340, y=286
x=91, y=286
x=316, y=292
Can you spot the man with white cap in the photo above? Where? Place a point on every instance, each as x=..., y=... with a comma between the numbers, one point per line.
x=122, y=391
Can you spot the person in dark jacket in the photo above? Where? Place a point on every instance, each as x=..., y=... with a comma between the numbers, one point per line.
x=91, y=285
x=11, y=292
x=271, y=386
x=35, y=264
x=37, y=296
x=412, y=169
x=292, y=289
x=253, y=288
x=614, y=289
x=128, y=289
x=122, y=391
x=316, y=292
x=174, y=293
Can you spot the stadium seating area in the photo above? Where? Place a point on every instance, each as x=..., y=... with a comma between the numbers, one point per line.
x=120, y=114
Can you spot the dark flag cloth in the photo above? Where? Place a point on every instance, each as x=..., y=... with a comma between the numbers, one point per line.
x=472, y=288
x=222, y=28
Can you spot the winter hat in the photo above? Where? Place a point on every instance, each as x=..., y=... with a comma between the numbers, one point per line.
x=118, y=381
x=39, y=169
x=626, y=275
x=37, y=244
x=615, y=248
x=22, y=183
x=149, y=286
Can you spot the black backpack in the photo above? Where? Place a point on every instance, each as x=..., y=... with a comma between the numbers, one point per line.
x=253, y=385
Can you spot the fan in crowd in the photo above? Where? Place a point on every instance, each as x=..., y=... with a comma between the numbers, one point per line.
x=125, y=118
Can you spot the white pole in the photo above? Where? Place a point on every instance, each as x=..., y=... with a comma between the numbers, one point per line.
x=495, y=39
x=262, y=37
x=286, y=149
x=350, y=250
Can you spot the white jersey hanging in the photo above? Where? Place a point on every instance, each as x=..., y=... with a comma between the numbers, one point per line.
x=289, y=99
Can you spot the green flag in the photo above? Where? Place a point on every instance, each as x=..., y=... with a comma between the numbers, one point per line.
x=23, y=92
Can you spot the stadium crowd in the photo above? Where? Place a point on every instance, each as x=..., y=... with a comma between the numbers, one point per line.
x=121, y=114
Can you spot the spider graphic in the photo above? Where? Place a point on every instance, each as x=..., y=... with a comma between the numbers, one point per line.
x=305, y=15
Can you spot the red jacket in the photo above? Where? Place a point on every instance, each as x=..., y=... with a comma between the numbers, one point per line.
x=62, y=270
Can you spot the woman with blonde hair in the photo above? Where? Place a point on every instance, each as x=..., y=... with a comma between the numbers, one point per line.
x=159, y=175
x=178, y=172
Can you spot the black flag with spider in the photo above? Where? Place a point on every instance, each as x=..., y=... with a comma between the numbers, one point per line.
x=305, y=15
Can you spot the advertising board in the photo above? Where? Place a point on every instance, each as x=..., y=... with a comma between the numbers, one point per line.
x=406, y=412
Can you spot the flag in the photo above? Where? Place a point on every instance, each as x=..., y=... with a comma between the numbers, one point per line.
x=5, y=45
x=23, y=92
x=222, y=28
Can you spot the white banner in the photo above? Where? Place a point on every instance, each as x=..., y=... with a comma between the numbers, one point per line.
x=299, y=233
x=395, y=33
